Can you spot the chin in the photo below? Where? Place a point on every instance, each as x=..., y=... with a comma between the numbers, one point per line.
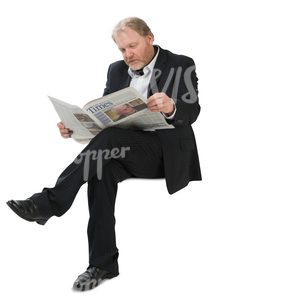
x=137, y=67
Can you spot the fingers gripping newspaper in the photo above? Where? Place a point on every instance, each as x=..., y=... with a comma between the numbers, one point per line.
x=126, y=108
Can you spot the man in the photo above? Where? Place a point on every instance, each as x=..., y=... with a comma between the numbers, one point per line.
x=170, y=83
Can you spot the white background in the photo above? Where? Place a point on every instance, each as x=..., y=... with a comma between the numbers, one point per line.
x=239, y=238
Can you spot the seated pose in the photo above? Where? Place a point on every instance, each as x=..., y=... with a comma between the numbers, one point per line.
x=169, y=82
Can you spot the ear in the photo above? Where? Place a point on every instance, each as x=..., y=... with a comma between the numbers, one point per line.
x=150, y=39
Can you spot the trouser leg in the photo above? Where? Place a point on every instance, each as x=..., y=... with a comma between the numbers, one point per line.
x=103, y=252
x=143, y=146
x=144, y=160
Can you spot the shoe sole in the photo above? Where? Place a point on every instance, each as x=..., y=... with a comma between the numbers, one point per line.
x=40, y=222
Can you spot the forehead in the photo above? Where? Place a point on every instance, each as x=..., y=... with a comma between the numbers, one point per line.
x=127, y=36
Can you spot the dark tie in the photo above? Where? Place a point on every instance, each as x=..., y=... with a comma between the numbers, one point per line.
x=139, y=72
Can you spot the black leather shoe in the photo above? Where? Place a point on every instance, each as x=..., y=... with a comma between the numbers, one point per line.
x=27, y=210
x=91, y=278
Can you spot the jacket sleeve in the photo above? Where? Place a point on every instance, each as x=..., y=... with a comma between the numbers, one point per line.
x=185, y=94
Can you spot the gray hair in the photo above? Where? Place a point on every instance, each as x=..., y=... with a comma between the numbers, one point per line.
x=134, y=23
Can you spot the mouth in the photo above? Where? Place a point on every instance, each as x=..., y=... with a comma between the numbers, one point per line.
x=132, y=61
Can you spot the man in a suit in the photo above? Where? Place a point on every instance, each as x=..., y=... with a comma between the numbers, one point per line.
x=170, y=83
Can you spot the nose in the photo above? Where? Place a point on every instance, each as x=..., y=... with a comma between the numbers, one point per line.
x=128, y=53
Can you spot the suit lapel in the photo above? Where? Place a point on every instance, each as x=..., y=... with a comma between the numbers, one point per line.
x=157, y=72
x=125, y=80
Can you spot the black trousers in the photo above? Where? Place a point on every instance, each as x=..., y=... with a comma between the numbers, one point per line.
x=112, y=156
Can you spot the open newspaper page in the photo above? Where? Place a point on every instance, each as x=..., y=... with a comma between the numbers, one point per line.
x=125, y=109
x=75, y=119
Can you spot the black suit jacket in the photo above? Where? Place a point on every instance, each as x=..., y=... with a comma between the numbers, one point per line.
x=174, y=75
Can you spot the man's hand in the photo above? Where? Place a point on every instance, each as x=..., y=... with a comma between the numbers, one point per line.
x=160, y=102
x=64, y=132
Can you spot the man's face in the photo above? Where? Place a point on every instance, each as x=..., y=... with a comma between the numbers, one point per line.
x=137, y=50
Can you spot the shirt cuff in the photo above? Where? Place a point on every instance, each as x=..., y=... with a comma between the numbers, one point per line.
x=173, y=115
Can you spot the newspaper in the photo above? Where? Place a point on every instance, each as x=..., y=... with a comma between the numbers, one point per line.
x=126, y=108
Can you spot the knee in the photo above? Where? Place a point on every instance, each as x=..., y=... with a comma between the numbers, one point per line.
x=109, y=138
x=113, y=131
x=114, y=134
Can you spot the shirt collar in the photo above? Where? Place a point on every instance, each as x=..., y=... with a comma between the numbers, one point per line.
x=147, y=69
